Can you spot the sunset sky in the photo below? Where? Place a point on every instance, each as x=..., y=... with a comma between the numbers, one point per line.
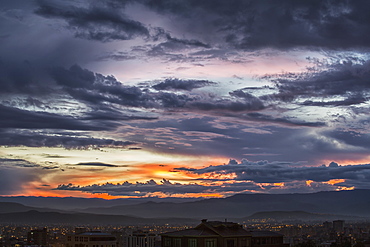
x=185, y=98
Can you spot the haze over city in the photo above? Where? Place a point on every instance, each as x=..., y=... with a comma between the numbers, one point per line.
x=183, y=99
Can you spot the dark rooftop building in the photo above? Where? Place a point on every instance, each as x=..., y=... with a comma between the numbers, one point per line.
x=38, y=237
x=91, y=239
x=221, y=234
x=267, y=239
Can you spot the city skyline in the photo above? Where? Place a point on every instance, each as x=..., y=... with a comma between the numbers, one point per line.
x=161, y=98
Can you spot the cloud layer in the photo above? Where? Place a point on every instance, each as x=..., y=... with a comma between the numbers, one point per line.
x=283, y=82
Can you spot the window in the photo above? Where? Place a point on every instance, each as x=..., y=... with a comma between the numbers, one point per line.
x=192, y=242
x=210, y=242
x=244, y=242
x=177, y=242
x=230, y=242
x=263, y=241
x=167, y=242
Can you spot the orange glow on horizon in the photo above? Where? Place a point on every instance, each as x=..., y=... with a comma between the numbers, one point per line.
x=345, y=188
x=309, y=182
x=214, y=175
x=335, y=181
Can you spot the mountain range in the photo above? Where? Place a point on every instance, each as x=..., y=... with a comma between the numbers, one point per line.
x=355, y=202
x=319, y=206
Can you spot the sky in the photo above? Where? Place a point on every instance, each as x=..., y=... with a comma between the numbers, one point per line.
x=186, y=98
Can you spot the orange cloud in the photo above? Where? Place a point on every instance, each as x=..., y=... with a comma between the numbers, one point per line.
x=345, y=188
x=335, y=181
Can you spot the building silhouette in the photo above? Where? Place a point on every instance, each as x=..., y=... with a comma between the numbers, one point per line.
x=140, y=238
x=91, y=239
x=338, y=225
x=38, y=237
x=221, y=234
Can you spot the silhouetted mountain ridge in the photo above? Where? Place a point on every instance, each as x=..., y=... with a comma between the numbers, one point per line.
x=71, y=203
x=356, y=202
x=12, y=207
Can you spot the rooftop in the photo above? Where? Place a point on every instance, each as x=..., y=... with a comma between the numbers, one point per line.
x=212, y=228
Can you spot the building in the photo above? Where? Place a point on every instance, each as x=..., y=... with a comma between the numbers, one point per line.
x=327, y=225
x=338, y=225
x=267, y=239
x=91, y=239
x=140, y=238
x=38, y=237
x=221, y=234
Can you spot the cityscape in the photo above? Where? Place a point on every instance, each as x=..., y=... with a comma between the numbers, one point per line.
x=337, y=233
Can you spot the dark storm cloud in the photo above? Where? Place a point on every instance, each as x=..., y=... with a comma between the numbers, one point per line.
x=21, y=77
x=55, y=139
x=171, y=100
x=178, y=84
x=174, y=49
x=175, y=43
x=352, y=138
x=109, y=113
x=242, y=24
x=259, y=117
x=165, y=186
x=96, y=164
x=351, y=100
x=96, y=22
x=96, y=89
x=185, y=42
x=252, y=104
x=17, y=163
x=277, y=172
x=131, y=189
x=239, y=102
x=348, y=79
x=119, y=56
x=11, y=117
x=283, y=24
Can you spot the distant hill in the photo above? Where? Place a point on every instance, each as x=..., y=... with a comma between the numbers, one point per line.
x=291, y=216
x=12, y=207
x=352, y=203
x=71, y=203
x=35, y=217
x=356, y=202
